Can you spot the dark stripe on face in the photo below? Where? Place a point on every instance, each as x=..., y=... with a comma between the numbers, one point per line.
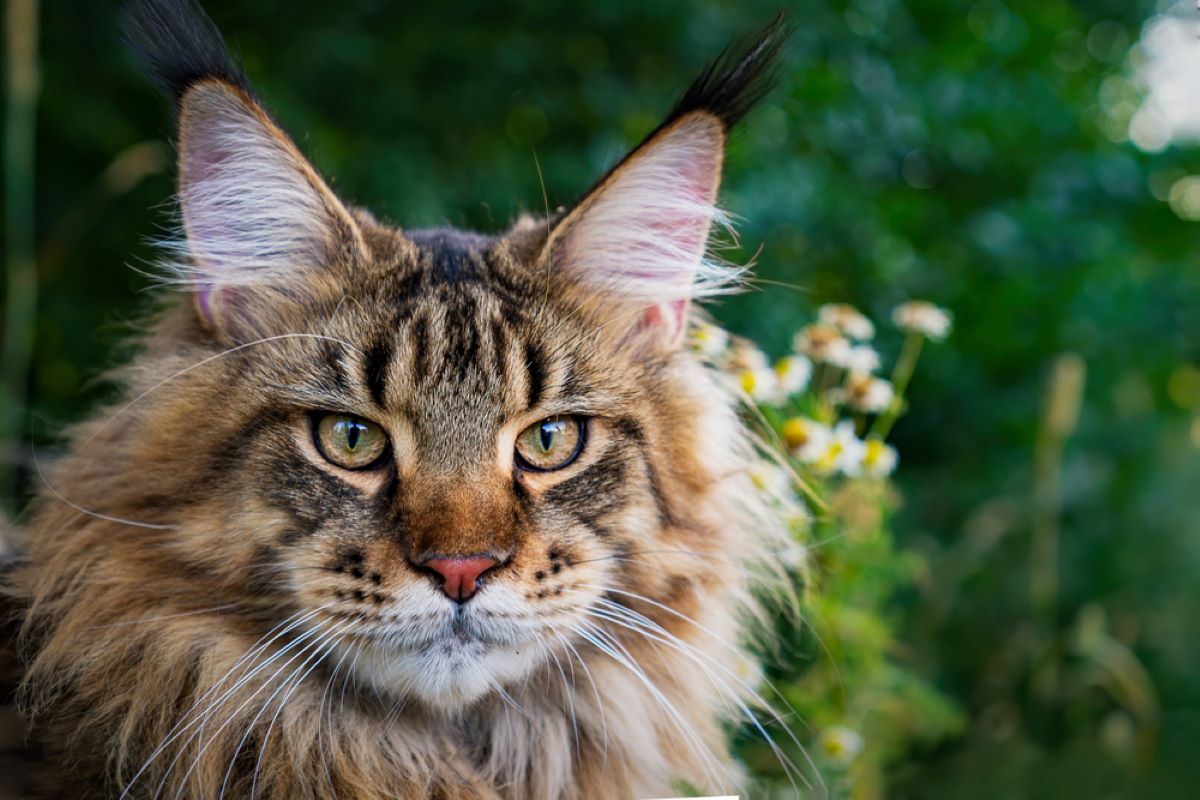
x=228, y=456
x=512, y=313
x=462, y=347
x=263, y=575
x=632, y=432
x=332, y=352
x=407, y=291
x=512, y=293
x=290, y=536
x=375, y=369
x=307, y=494
x=420, y=345
x=594, y=493
x=537, y=373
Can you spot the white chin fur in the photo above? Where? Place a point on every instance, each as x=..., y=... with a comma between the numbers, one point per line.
x=447, y=657
x=447, y=675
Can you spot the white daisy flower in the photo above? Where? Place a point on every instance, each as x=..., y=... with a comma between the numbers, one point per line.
x=919, y=316
x=862, y=358
x=760, y=384
x=879, y=458
x=841, y=744
x=848, y=319
x=865, y=393
x=822, y=343
x=792, y=374
x=843, y=452
x=806, y=439
x=709, y=340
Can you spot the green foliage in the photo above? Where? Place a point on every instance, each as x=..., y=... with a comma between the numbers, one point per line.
x=967, y=151
x=841, y=682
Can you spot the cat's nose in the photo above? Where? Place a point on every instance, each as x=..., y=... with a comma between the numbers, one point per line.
x=460, y=574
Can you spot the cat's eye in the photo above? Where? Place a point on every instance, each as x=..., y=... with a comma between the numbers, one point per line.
x=350, y=442
x=550, y=444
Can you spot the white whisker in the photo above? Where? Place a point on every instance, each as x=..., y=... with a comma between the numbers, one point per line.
x=661, y=636
x=602, y=641
x=308, y=648
x=288, y=624
x=331, y=643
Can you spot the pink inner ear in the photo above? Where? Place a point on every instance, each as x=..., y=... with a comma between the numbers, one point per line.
x=662, y=323
x=203, y=160
x=642, y=235
x=204, y=304
x=208, y=170
x=254, y=212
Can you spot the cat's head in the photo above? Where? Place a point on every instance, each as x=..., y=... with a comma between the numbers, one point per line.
x=437, y=454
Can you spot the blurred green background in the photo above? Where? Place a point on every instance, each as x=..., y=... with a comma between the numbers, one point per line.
x=976, y=154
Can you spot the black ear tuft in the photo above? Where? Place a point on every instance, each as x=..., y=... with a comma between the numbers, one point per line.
x=179, y=45
x=732, y=84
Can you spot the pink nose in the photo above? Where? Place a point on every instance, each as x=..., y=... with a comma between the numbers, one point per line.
x=460, y=576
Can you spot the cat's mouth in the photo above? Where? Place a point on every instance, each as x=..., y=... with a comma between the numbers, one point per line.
x=461, y=629
x=452, y=666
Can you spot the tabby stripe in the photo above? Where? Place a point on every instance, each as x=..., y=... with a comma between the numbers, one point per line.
x=500, y=350
x=463, y=343
x=375, y=369
x=333, y=359
x=633, y=432
x=594, y=493
x=419, y=331
x=537, y=373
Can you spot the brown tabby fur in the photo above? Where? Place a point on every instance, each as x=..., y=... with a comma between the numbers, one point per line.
x=193, y=520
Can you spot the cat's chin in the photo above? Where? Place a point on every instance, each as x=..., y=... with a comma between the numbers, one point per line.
x=448, y=675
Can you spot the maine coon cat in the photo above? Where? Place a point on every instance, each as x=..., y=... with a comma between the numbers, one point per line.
x=403, y=513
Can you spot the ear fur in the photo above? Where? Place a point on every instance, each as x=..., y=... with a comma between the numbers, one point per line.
x=637, y=241
x=256, y=215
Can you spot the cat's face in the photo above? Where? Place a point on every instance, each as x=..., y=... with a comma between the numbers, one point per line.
x=361, y=475
x=434, y=451
x=452, y=416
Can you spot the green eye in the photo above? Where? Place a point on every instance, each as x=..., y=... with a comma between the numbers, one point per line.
x=350, y=442
x=550, y=444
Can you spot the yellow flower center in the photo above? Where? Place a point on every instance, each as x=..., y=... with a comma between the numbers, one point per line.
x=829, y=458
x=875, y=449
x=796, y=432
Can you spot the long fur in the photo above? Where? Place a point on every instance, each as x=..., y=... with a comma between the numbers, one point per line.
x=211, y=608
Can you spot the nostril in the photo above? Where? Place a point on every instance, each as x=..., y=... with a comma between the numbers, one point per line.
x=459, y=575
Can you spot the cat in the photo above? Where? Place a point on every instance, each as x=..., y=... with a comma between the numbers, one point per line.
x=403, y=513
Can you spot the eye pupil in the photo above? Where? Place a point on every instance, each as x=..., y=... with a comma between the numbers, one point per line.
x=547, y=435
x=352, y=434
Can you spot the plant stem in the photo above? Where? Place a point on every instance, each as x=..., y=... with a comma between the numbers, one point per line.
x=1060, y=415
x=21, y=33
x=906, y=364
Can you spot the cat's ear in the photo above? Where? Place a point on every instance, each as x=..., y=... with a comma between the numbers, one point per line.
x=637, y=243
x=256, y=215
x=259, y=223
